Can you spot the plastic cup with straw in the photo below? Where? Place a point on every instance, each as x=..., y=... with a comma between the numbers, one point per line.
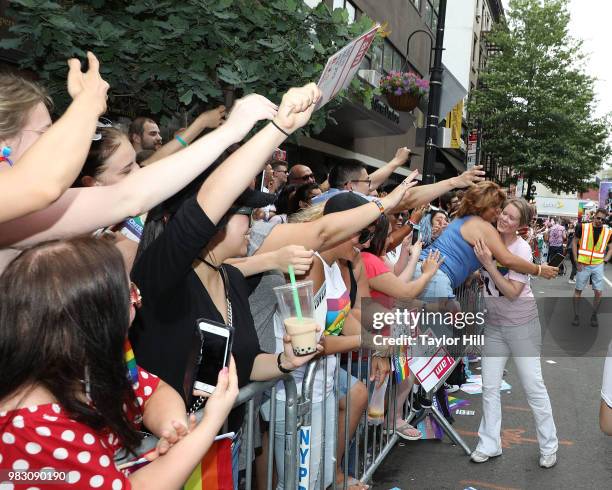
x=296, y=308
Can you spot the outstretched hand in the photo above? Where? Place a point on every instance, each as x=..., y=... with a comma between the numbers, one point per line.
x=469, y=177
x=89, y=84
x=393, y=199
x=297, y=106
x=483, y=254
x=247, y=111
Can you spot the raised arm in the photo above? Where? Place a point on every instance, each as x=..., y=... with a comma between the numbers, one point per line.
x=325, y=232
x=492, y=240
x=210, y=119
x=379, y=177
x=391, y=285
x=294, y=255
x=52, y=164
x=228, y=181
x=424, y=194
x=86, y=209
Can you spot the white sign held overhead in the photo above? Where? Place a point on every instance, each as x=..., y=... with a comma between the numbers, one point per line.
x=342, y=66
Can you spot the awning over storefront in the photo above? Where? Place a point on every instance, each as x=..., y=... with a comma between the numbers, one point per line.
x=357, y=121
x=455, y=157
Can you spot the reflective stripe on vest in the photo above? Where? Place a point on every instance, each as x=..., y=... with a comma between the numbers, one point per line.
x=590, y=253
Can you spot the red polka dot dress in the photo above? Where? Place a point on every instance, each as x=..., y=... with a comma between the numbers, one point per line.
x=44, y=437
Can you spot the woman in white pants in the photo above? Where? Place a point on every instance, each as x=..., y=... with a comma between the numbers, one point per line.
x=512, y=329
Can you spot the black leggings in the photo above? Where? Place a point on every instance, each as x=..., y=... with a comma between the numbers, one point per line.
x=570, y=252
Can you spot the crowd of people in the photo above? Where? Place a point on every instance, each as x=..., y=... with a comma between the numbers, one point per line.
x=115, y=243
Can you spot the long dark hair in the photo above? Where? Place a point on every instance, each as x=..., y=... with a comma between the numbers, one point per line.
x=379, y=240
x=64, y=317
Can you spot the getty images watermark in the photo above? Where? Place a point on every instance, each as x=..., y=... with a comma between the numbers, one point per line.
x=414, y=327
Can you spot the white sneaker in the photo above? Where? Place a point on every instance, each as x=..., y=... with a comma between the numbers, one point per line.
x=478, y=457
x=572, y=281
x=548, y=460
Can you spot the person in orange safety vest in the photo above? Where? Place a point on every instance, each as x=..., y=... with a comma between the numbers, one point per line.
x=589, y=246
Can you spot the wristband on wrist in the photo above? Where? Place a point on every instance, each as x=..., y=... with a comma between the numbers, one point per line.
x=181, y=141
x=539, y=270
x=279, y=128
x=380, y=205
x=280, y=367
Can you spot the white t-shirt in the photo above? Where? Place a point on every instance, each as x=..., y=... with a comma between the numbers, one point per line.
x=506, y=312
x=606, y=385
x=332, y=305
x=394, y=255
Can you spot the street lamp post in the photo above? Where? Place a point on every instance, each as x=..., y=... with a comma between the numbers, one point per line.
x=435, y=93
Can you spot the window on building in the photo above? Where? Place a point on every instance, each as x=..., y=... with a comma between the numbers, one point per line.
x=432, y=8
x=377, y=58
x=350, y=8
x=474, y=47
x=398, y=60
x=388, y=57
x=417, y=4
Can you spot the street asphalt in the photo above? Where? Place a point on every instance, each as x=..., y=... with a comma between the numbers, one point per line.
x=584, y=456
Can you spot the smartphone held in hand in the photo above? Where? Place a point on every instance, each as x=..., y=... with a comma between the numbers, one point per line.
x=215, y=354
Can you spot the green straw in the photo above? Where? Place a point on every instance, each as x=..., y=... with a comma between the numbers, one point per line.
x=296, y=298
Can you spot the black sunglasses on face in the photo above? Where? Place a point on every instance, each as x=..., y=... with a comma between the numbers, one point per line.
x=305, y=177
x=365, y=236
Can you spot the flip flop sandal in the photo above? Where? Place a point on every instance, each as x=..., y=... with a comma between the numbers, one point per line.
x=403, y=432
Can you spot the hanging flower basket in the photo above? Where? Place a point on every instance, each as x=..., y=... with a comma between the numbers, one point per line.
x=403, y=103
x=403, y=90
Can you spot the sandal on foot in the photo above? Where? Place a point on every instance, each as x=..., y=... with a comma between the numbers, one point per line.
x=408, y=432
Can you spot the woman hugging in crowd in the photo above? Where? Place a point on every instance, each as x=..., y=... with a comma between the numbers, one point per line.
x=480, y=207
x=512, y=330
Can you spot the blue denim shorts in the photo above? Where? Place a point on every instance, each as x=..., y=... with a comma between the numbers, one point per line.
x=595, y=272
x=439, y=286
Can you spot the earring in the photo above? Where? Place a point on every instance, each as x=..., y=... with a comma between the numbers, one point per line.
x=5, y=153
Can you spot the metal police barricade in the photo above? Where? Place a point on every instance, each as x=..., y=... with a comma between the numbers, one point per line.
x=372, y=443
x=247, y=396
x=469, y=297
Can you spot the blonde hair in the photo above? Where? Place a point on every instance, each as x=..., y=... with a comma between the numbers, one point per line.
x=308, y=214
x=18, y=97
x=524, y=208
x=480, y=197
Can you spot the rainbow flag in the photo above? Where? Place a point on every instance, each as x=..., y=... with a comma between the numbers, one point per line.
x=455, y=403
x=215, y=470
x=400, y=364
x=130, y=361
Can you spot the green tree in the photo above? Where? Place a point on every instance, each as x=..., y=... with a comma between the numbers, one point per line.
x=161, y=57
x=536, y=102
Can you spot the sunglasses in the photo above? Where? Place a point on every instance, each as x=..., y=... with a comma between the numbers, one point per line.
x=286, y=172
x=365, y=236
x=305, y=177
x=102, y=123
x=135, y=296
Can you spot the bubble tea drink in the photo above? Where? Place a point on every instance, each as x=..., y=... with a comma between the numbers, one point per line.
x=297, y=312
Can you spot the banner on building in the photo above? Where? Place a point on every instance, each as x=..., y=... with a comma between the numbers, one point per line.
x=454, y=121
x=472, y=148
x=342, y=66
x=605, y=195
